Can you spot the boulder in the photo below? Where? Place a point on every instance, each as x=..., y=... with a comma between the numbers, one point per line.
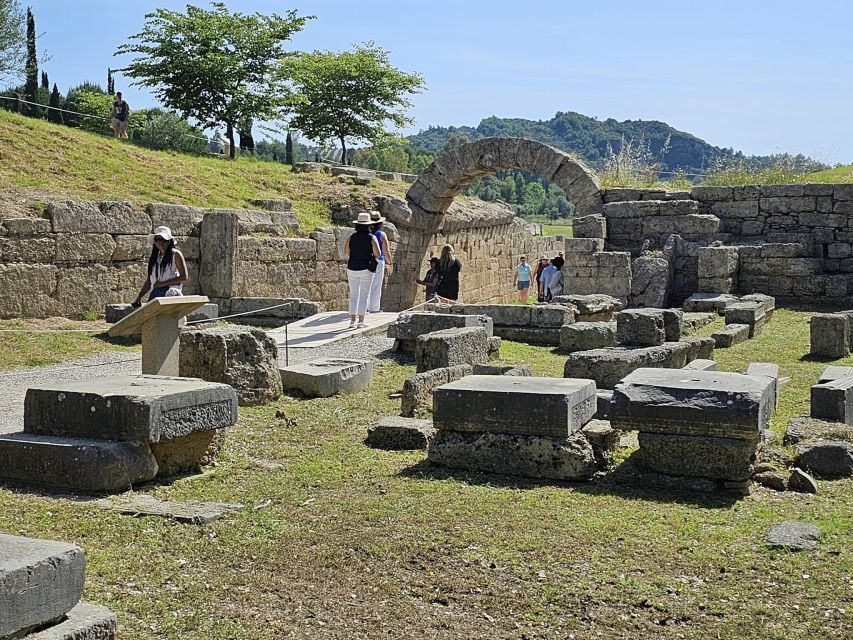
x=398, y=433
x=673, y=324
x=451, y=347
x=205, y=312
x=327, y=377
x=417, y=390
x=827, y=459
x=582, y=336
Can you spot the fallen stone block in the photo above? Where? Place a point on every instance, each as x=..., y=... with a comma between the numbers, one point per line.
x=189, y=512
x=696, y=456
x=827, y=459
x=502, y=370
x=830, y=336
x=40, y=582
x=547, y=336
x=700, y=365
x=699, y=347
x=327, y=377
x=400, y=433
x=793, y=536
x=417, y=390
x=833, y=372
x=494, y=347
x=640, y=327
x=115, y=312
x=604, y=440
x=693, y=320
x=243, y=358
x=696, y=403
x=84, y=622
x=703, y=302
x=673, y=324
x=596, y=307
x=803, y=430
x=766, y=370
x=801, y=482
x=451, y=347
x=582, y=336
x=409, y=326
x=555, y=407
x=569, y=458
x=748, y=313
x=833, y=401
x=768, y=302
x=610, y=365
x=730, y=335
x=602, y=404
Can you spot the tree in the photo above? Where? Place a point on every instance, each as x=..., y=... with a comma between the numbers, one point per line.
x=214, y=66
x=53, y=115
x=288, y=146
x=350, y=95
x=72, y=101
x=31, y=87
x=13, y=59
x=159, y=129
x=111, y=83
x=45, y=83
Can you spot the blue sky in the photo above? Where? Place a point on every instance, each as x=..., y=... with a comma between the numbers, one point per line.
x=759, y=76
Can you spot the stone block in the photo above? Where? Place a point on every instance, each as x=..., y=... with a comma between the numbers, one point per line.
x=830, y=335
x=115, y=218
x=594, y=226
x=608, y=366
x=115, y=312
x=827, y=459
x=716, y=302
x=326, y=377
x=698, y=347
x=515, y=405
x=700, y=364
x=399, y=433
x=602, y=404
x=696, y=456
x=26, y=226
x=451, y=347
x=218, y=266
x=604, y=440
x=582, y=336
x=717, y=262
x=833, y=372
x=699, y=403
x=84, y=622
x=209, y=311
x=40, y=581
x=650, y=284
x=285, y=309
x=144, y=409
x=748, y=313
x=833, y=401
x=552, y=316
x=673, y=323
x=569, y=458
x=640, y=327
x=408, y=326
x=28, y=249
x=243, y=358
x=502, y=370
x=730, y=335
x=417, y=390
x=793, y=536
x=597, y=307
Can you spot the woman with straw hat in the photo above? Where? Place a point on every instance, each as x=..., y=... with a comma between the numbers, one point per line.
x=167, y=268
x=362, y=252
x=374, y=302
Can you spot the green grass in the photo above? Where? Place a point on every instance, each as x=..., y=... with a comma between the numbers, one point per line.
x=836, y=175
x=65, y=162
x=342, y=541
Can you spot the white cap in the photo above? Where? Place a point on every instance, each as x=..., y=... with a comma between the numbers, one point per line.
x=163, y=232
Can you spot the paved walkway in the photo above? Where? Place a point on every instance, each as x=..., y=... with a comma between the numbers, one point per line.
x=325, y=328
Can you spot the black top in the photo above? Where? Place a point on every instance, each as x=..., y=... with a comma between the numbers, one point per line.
x=360, y=250
x=448, y=284
x=121, y=109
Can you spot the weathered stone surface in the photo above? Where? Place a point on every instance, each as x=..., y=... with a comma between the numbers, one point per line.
x=716, y=302
x=775, y=480
x=794, y=536
x=595, y=307
x=209, y=311
x=694, y=320
x=651, y=282
x=698, y=347
x=748, y=313
x=272, y=311
x=187, y=453
x=604, y=440
x=808, y=430
x=116, y=218
x=400, y=433
x=602, y=404
x=417, y=390
x=143, y=409
x=718, y=262
x=326, y=377
x=827, y=459
x=549, y=336
x=833, y=401
x=696, y=456
x=571, y=458
x=76, y=464
x=582, y=336
x=115, y=312
x=502, y=370
x=244, y=358
x=673, y=324
x=218, y=266
x=610, y=365
x=593, y=226
x=494, y=347
x=84, y=622
x=730, y=335
x=40, y=581
x=695, y=403
x=834, y=372
x=640, y=327
x=451, y=347
x=26, y=226
x=801, y=482
x=408, y=326
x=700, y=365
x=555, y=407
x=830, y=335
x=190, y=512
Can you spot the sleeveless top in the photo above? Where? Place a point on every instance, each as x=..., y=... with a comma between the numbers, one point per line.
x=360, y=251
x=379, y=235
x=166, y=272
x=448, y=285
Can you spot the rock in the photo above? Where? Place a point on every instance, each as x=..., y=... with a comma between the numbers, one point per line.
x=398, y=433
x=830, y=335
x=244, y=358
x=209, y=311
x=84, y=622
x=191, y=512
x=650, y=283
x=592, y=226
x=731, y=335
x=502, y=370
x=801, y=482
x=604, y=440
x=569, y=458
x=582, y=336
x=596, y=307
x=673, y=323
x=794, y=536
x=417, y=390
x=832, y=459
x=804, y=430
x=40, y=581
x=772, y=480
x=693, y=320
x=748, y=313
x=115, y=312
x=451, y=347
x=326, y=377
x=494, y=347
x=696, y=456
x=555, y=407
x=640, y=327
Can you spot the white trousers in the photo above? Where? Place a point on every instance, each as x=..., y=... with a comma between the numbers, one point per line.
x=359, y=290
x=376, y=288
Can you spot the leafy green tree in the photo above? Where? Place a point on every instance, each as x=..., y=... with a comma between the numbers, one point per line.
x=96, y=108
x=214, y=66
x=53, y=114
x=31, y=87
x=13, y=56
x=160, y=129
x=72, y=102
x=349, y=96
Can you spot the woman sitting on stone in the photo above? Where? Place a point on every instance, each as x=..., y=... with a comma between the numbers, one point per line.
x=167, y=269
x=362, y=252
x=449, y=267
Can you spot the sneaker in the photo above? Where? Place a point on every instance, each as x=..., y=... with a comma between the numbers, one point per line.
x=361, y=325
x=352, y=325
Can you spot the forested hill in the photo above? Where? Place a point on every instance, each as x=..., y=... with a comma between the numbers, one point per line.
x=589, y=138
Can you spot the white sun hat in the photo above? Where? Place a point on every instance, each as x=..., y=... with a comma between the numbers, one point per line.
x=163, y=232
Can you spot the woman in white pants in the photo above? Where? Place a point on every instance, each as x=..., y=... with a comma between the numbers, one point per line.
x=373, y=305
x=362, y=252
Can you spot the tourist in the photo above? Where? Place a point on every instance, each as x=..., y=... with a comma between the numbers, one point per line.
x=362, y=252
x=167, y=268
x=540, y=267
x=548, y=273
x=384, y=262
x=521, y=278
x=430, y=279
x=555, y=284
x=449, y=267
x=119, y=117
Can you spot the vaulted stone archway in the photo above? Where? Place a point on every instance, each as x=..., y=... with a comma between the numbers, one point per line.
x=451, y=172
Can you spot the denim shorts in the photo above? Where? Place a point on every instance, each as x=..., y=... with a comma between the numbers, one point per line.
x=158, y=292
x=523, y=284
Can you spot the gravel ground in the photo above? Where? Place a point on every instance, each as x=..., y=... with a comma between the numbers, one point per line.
x=14, y=384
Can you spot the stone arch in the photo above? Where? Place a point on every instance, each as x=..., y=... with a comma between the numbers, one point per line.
x=451, y=172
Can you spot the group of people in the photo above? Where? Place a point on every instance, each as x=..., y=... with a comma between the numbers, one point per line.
x=547, y=276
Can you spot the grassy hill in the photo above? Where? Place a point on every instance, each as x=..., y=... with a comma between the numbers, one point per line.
x=38, y=158
x=835, y=175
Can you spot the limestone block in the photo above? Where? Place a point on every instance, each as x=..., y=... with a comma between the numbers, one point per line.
x=814, y=219
x=604, y=440
x=650, y=285
x=218, y=266
x=717, y=262
x=593, y=226
x=26, y=290
x=583, y=245
x=181, y=219
x=408, y=326
x=417, y=390
x=569, y=458
x=115, y=312
x=84, y=622
x=748, y=313
x=703, y=403
x=700, y=364
x=833, y=401
x=697, y=456
x=640, y=327
x=85, y=247
x=115, y=218
x=709, y=301
x=16, y=249
x=597, y=307
x=326, y=377
x=26, y=226
x=531, y=335
x=830, y=335
x=582, y=336
x=551, y=316
x=514, y=405
x=209, y=311
x=451, y=347
x=730, y=335
x=131, y=248
x=399, y=433
x=608, y=366
x=833, y=372
x=502, y=370
x=787, y=205
x=737, y=209
x=142, y=409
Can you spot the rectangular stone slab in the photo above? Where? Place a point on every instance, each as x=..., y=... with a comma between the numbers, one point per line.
x=326, y=377
x=408, y=326
x=177, y=306
x=130, y=408
x=697, y=456
x=555, y=407
x=40, y=581
x=833, y=401
x=84, y=622
x=834, y=372
x=693, y=403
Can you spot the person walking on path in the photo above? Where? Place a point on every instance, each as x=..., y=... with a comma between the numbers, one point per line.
x=362, y=252
x=119, y=117
x=547, y=275
x=555, y=284
x=540, y=267
x=385, y=262
x=449, y=267
x=167, y=268
x=430, y=279
x=521, y=278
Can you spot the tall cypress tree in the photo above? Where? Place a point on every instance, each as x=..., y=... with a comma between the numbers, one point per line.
x=45, y=83
x=54, y=115
x=288, y=149
x=111, y=83
x=31, y=87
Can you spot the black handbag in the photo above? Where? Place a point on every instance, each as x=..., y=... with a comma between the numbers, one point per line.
x=372, y=264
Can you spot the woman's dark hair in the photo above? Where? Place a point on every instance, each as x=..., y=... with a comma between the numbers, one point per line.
x=362, y=228
x=376, y=227
x=167, y=256
x=558, y=262
x=434, y=261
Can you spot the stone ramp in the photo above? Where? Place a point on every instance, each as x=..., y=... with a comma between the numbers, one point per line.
x=328, y=327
